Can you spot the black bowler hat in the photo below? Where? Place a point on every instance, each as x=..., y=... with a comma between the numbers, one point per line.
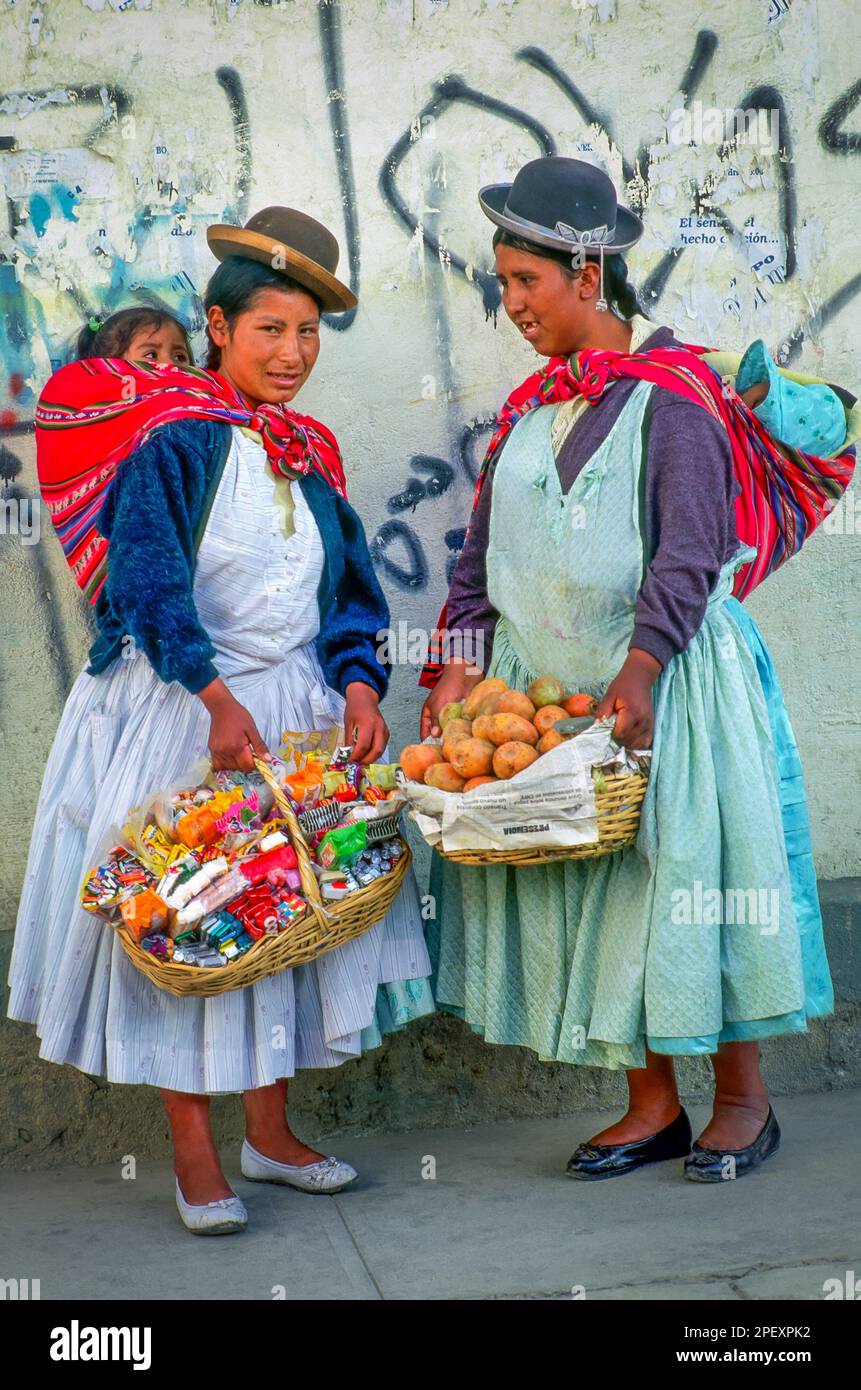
x=562, y=203
x=302, y=247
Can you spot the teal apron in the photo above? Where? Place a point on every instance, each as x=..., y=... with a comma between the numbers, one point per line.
x=707, y=930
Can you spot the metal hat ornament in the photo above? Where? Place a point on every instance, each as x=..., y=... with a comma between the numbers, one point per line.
x=292, y=242
x=564, y=204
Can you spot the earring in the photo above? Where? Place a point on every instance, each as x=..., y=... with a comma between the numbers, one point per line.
x=601, y=305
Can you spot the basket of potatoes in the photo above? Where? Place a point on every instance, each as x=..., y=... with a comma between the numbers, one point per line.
x=485, y=767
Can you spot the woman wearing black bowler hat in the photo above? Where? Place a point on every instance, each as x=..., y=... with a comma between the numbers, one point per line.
x=603, y=549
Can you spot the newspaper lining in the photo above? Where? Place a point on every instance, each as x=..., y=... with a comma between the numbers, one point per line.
x=550, y=805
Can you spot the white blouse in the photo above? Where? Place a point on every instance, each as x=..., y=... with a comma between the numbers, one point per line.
x=255, y=590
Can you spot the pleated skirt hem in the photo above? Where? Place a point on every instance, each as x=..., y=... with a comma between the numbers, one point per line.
x=173, y=1071
x=612, y=1056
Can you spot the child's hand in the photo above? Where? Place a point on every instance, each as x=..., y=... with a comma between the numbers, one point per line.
x=629, y=697
x=755, y=395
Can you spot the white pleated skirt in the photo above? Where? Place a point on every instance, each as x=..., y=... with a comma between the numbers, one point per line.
x=125, y=734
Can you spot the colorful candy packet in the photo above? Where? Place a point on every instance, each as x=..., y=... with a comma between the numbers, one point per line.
x=109, y=883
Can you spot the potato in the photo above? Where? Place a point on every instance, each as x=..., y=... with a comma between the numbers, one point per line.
x=505, y=728
x=513, y=757
x=459, y=728
x=579, y=704
x=515, y=702
x=417, y=758
x=472, y=757
x=551, y=739
x=478, y=782
x=453, y=710
x=444, y=778
x=547, y=716
x=480, y=692
x=546, y=690
x=490, y=704
x=480, y=726
x=454, y=731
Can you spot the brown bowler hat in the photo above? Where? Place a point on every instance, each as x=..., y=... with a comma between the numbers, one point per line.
x=290, y=241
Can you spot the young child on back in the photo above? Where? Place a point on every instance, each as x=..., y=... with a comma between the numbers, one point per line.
x=140, y=334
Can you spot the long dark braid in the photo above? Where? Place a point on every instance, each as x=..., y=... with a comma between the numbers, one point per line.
x=619, y=291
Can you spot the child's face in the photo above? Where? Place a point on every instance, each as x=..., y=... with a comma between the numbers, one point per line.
x=160, y=345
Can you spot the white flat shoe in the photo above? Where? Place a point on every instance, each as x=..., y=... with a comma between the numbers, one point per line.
x=326, y=1175
x=217, y=1218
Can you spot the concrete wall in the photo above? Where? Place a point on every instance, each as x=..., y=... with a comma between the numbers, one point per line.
x=126, y=126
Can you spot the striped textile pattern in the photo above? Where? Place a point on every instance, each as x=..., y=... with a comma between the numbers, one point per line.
x=93, y=414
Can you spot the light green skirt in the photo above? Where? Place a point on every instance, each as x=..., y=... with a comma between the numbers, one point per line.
x=707, y=930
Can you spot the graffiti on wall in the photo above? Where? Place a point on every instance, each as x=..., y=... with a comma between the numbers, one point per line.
x=82, y=203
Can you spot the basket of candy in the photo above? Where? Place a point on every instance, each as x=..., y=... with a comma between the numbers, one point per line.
x=215, y=884
x=347, y=839
x=524, y=779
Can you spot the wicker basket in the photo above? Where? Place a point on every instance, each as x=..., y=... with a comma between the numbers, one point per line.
x=324, y=927
x=619, y=802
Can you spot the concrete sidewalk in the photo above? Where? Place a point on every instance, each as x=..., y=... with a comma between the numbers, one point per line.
x=499, y=1220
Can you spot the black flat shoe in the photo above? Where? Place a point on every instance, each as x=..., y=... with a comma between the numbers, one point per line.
x=596, y=1161
x=710, y=1165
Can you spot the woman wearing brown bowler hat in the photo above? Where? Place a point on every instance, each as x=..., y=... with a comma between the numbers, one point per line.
x=243, y=575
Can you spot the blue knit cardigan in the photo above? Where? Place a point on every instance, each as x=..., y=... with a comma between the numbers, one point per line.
x=155, y=514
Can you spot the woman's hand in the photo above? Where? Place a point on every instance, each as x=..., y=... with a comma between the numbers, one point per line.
x=455, y=683
x=234, y=738
x=629, y=697
x=364, y=726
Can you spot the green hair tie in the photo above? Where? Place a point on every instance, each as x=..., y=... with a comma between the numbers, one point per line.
x=94, y=324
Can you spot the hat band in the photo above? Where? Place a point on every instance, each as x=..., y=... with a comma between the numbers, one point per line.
x=595, y=236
